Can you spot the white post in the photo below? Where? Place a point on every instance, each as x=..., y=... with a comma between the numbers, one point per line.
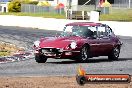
x=129, y=4
x=83, y=15
x=70, y=13
x=66, y=13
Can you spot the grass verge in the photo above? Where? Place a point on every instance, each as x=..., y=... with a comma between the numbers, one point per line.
x=115, y=15
x=4, y=53
x=7, y=49
x=45, y=15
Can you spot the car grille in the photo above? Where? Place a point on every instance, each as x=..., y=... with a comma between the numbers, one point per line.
x=50, y=50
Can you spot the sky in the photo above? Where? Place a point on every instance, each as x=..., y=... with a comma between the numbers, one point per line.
x=4, y=0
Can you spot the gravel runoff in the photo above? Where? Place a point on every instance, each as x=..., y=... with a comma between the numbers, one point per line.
x=24, y=37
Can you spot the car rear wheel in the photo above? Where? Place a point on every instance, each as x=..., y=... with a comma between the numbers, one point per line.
x=40, y=58
x=84, y=55
x=114, y=55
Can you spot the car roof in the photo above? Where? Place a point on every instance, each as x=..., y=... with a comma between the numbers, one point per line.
x=84, y=24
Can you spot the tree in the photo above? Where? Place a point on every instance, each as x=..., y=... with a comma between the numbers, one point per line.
x=14, y=6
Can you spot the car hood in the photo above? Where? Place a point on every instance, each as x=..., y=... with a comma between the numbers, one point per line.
x=58, y=42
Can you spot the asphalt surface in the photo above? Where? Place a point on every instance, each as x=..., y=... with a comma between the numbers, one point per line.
x=24, y=37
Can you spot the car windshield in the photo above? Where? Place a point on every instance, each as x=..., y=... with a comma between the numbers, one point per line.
x=85, y=31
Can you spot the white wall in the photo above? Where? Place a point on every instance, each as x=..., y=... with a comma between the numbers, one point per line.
x=74, y=2
x=119, y=28
x=54, y=3
x=63, y=1
x=4, y=5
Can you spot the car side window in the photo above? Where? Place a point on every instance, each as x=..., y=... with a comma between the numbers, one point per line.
x=109, y=31
x=94, y=31
x=102, y=31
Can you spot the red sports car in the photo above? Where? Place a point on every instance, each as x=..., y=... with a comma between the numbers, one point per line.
x=79, y=41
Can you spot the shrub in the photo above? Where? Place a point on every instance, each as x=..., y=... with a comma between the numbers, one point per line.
x=29, y=2
x=14, y=6
x=32, y=2
x=4, y=53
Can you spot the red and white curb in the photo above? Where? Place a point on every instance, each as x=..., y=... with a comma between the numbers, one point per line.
x=19, y=56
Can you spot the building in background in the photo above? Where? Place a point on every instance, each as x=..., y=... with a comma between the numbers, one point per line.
x=4, y=5
x=77, y=3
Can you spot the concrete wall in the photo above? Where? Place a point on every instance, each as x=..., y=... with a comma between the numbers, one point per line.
x=120, y=28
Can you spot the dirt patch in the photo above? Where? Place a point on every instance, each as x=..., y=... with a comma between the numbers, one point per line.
x=51, y=82
x=7, y=49
x=12, y=53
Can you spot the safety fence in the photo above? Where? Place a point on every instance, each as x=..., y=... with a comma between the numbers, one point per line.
x=118, y=6
x=122, y=4
x=28, y=8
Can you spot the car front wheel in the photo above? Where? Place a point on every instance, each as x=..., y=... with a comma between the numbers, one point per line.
x=114, y=55
x=84, y=55
x=40, y=58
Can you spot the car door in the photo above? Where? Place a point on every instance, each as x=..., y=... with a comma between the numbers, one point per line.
x=104, y=40
x=94, y=42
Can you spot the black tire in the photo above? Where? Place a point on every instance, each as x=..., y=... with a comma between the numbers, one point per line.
x=40, y=58
x=114, y=55
x=81, y=80
x=84, y=54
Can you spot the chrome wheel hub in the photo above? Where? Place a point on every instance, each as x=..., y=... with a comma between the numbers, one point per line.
x=84, y=53
x=116, y=52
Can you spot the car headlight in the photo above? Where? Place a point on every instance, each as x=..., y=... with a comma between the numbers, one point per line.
x=36, y=43
x=73, y=45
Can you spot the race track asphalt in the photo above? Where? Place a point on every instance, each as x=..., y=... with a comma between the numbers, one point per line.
x=24, y=37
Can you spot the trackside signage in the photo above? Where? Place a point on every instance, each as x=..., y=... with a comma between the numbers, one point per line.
x=83, y=78
x=107, y=78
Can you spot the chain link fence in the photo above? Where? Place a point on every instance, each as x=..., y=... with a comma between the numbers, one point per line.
x=119, y=5
x=28, y=8
x=122, y=4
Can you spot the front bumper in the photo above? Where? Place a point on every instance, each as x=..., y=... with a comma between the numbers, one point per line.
x=57, y=53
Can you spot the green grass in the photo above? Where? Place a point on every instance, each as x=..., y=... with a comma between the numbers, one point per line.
x=45, y=15
x=115, y=15
x=4, y=53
